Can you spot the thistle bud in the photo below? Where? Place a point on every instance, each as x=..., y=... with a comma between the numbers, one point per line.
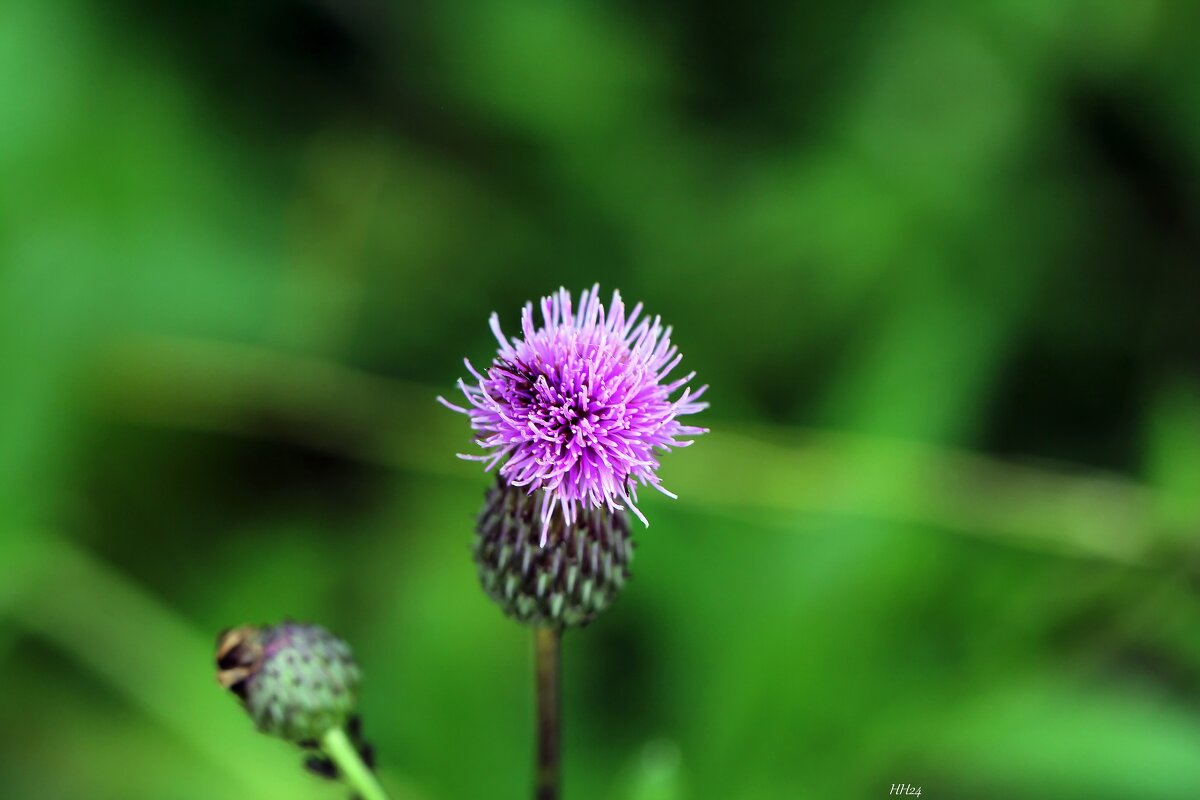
x=296, y=681
x=554, y=575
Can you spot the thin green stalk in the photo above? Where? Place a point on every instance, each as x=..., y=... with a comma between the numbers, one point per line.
x=547, y=648
x=350, y=765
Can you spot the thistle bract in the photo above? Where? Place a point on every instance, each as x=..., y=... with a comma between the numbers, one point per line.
x=576, y=408
x=296, y=681
x=568, y=579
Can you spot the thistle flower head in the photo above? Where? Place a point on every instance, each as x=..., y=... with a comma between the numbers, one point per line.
x=296, y=681
x=578, y=406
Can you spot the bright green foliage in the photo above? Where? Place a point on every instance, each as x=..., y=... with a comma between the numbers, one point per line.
x=936, y=260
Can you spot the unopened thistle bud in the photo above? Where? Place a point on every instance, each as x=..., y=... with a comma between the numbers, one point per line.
x=556, y=576
x=296, y=681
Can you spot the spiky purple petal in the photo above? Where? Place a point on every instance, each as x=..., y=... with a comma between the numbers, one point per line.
x=578, y=406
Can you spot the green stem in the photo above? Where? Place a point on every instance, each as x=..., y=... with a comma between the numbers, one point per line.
x=350, y=765
x=547, y=648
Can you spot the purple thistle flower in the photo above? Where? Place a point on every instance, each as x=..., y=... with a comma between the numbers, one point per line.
x=578, y=406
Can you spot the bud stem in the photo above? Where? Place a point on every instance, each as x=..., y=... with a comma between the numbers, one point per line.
x=547, y=649
x=350, y=765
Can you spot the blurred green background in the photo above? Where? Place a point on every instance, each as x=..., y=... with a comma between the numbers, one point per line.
x=937, y=260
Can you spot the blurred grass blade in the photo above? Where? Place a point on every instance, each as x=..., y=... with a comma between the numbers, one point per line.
x=156, y=661
x=213, y=386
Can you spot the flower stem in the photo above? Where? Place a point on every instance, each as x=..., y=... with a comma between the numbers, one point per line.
x=350, y=765
x=547, y=648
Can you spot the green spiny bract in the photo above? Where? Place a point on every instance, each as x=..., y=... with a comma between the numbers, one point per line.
x=296, y=681
x=568, y=580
